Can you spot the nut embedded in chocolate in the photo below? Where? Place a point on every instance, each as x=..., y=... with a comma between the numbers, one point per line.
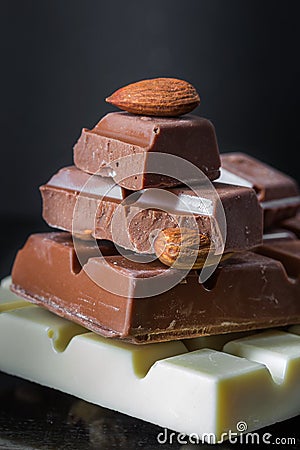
x=249, y=291
x=136, y=221
x=184, y=248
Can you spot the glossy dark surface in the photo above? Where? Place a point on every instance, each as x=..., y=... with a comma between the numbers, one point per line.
x=34, y=417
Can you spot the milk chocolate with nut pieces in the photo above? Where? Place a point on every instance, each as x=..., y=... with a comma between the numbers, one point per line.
x=75, y=201
x=249, y=291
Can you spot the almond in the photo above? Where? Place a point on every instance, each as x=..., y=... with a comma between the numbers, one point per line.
x=156, y=97
x=182, y=248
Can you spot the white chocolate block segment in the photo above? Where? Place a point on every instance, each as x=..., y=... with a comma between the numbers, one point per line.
x=280, y=353
x=5, y=283
x=295, y=329
x=216, y=342
x=204, y=391
x=9, y=300
x=278, y=350
x=32, y=320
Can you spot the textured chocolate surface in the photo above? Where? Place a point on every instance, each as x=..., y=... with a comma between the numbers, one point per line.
x=277, y=192
x=121, y=134
x=135, y=221
x=249, y=291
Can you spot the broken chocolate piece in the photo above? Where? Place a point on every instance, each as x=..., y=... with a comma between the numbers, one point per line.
x=122, y=134
x=292, y=225
x=287, y=252
x=248, y=291
x=278, y=234
x=277, y=192
x=74, y=201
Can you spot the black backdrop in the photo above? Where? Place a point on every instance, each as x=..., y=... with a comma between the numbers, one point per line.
x=61, y=58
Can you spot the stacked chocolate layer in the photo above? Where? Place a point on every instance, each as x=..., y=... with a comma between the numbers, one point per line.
x=249, y=291
x=278, y=193
x=126, y=292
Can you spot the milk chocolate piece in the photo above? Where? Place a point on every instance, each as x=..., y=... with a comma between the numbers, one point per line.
x=278, y=234
x=287, y=229
x=134, y=222
x=292, y=225
x=248, y=291
x=121, y=134
x=277, y=192
x=288, y=253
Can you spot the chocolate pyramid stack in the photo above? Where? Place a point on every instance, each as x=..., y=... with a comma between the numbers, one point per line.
x=140, y=228
x=162, y=243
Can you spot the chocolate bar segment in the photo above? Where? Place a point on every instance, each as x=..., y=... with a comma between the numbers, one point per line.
x=292, y=225
x=287, y=252
x=278, y=234
x=287, y=229
x=121, y=134
x=277, y=192
x=130, y=221
x=248, y=291
x=207, y=390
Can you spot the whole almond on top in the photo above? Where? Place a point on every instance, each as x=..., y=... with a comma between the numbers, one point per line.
x=183, y=248
x=156, y=97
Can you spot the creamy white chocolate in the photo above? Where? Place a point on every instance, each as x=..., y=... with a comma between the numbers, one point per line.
x=295, y=329
x=278, y=350
x=216, y=342
x=9, y=300
x=278, y=235
x=165, y=200
x=254, y=379
x=281, y=203
x=227, y=177
x=87, y=184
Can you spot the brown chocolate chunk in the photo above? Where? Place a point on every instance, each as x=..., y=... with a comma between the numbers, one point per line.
x=277, y=192
x=121, y=134
x=278, y=234
x=131, y=225
x=249, y=291
x=292, y=225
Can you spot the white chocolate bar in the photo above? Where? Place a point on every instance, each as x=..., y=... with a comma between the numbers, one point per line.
x=9, y=300
x=255, y=379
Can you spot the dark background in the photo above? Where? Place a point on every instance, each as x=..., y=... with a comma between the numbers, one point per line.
x=61, y=58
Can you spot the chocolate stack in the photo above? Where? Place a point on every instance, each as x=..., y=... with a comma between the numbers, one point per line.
x=136, y=241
